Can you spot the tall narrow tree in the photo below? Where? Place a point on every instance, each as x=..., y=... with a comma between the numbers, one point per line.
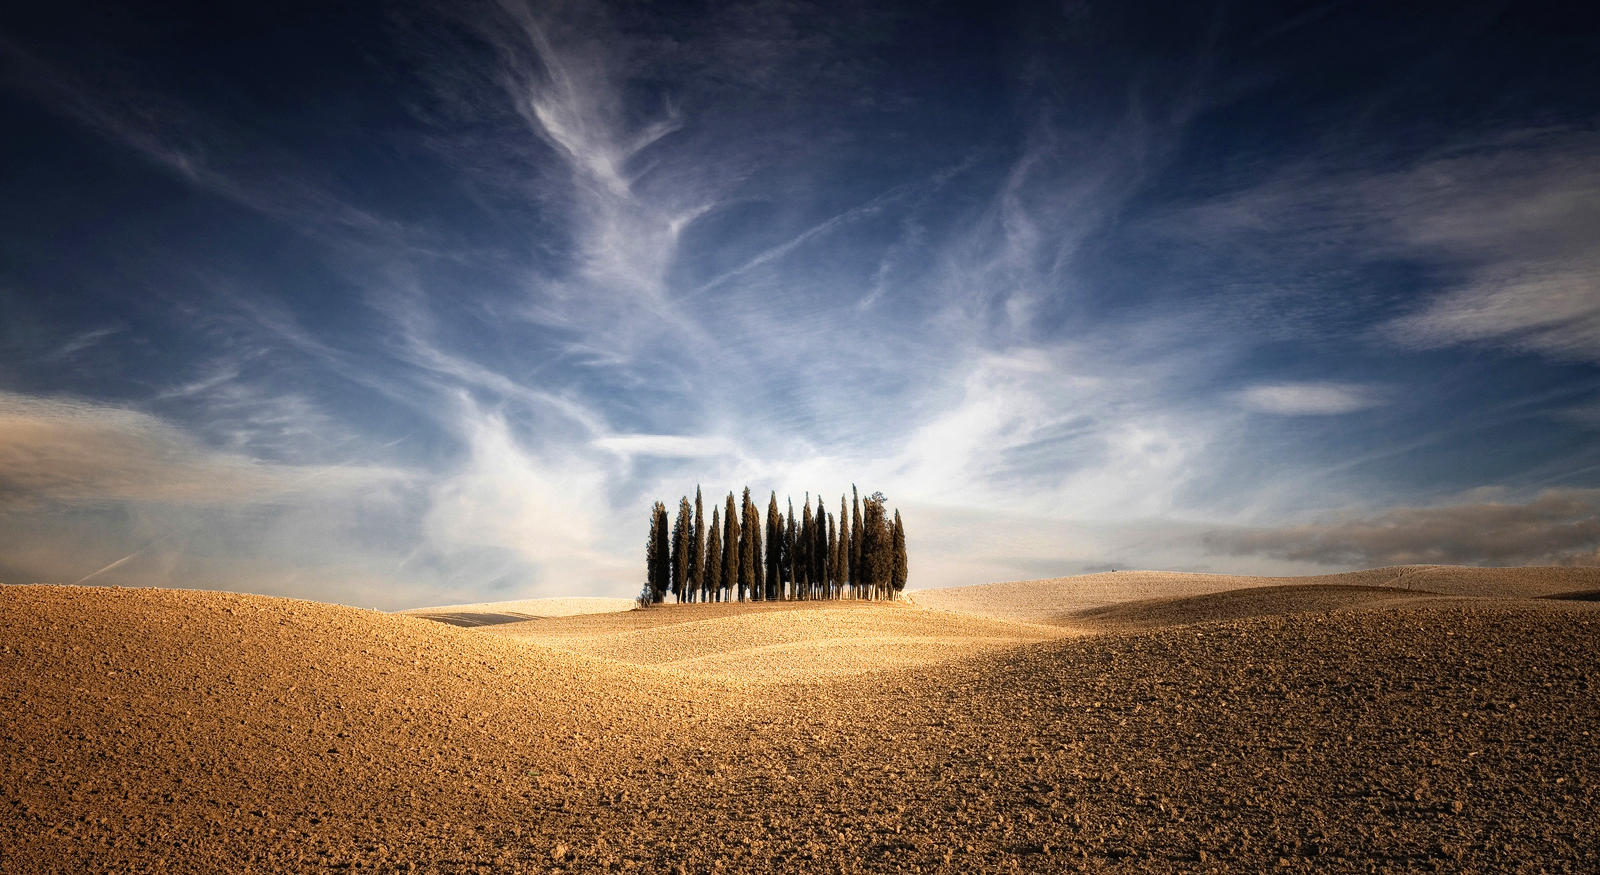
x=845, y=582
x=730, y=549
x=857, y=542
x=680, y=549
x=662, y=542
x=807, y=540
x=697, y=550
x=774, y=548
x=712, y=584
x=791, y=552
x=652, y=573
x=819, y=549
x=901, y=567
x=833, y=558
x=750, y=548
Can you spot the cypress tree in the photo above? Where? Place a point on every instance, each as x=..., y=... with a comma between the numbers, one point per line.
x=758, y=569
x=833, y=558
x=807, y=580
x=749, y=548
x=712, y=584
x=662, y=542
x=681, y=534
x=774, y=548
x=819, y=550
x=902, y=568
x=648, y=596
x=791, y=556
x=730, y=550
x=697, y=551
x=845, y=583
x=877, y=548
x=857, y=542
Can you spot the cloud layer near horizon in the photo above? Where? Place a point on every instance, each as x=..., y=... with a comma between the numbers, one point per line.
x=1560, y=527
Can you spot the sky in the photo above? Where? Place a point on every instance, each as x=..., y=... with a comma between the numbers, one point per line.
x=403, y=304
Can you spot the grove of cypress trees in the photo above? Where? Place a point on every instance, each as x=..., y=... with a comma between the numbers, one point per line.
x=860, y=553
x=712, y=584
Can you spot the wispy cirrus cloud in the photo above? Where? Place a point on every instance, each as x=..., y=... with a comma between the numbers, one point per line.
x=79, y=453
x=1522, y=220
x=1310, y=399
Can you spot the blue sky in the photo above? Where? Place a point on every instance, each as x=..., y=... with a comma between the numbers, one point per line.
x=407, y=304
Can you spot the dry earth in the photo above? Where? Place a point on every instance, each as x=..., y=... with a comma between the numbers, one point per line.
x=1046, y=600
x=490, y=613
x=1357, y=724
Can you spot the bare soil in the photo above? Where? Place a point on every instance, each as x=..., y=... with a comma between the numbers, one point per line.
x=1323, y=728
x=1050, y=599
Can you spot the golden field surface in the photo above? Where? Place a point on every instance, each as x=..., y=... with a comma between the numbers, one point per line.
x=1406, y=719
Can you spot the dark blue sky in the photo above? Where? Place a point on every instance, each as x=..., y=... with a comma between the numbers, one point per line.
x=404, y=304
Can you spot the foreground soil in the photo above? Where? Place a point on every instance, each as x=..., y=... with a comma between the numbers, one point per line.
x=1340, y=730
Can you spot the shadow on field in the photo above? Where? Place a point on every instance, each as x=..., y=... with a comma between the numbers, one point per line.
x=1582, y=595
x=468, y=620
x=1240, y=604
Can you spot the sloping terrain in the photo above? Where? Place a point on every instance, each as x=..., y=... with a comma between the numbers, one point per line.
x=166, y=730
x=1240, y=604
x=779, y=640
x=175, y=731
x=490, y=613
x=1047, y=600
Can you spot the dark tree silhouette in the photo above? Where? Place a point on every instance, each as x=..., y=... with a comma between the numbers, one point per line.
x=647, y=595
x=750, y=549
x=791, y=547
x=730, y=548
x=858, y=543
x=901, y=568
x=660, y=554
x=773, y=557
x=697, y=551
x=877, y=548
x=819, y=551
x=807, y=587
x=681, y=535
x=834, y=587
x=846, y=584
x=712, y=585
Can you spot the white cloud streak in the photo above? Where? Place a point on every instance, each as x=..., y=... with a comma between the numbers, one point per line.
x=56, y=451
x=1523, y=218
x=1310, y=399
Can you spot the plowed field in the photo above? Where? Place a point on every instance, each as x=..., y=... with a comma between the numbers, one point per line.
x=1343, y=725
